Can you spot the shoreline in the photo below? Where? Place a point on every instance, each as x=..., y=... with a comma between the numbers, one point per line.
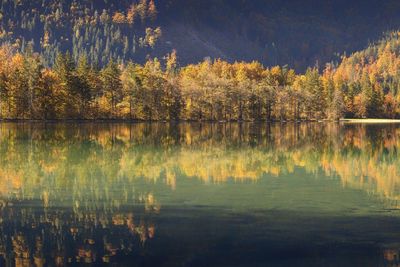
x=159, y=121
x=370, y=121
x=345, y=121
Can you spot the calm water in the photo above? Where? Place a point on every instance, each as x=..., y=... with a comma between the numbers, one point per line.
x=199, y=195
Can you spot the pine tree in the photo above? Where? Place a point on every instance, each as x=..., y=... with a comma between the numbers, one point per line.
x=317, y=101
x=65, y=70
x=337, y=106
x=84, y=90
x=112, y=86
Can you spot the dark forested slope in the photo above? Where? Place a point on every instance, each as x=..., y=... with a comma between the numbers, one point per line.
x=297, y=33
x=100, y=30
x=275, y=32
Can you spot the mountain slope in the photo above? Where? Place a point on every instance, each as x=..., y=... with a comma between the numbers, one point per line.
x=274, y=32
x=100, y=30
x=298, y=33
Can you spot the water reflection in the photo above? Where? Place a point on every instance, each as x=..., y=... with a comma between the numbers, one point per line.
x=34, y=237
x=74, y=193
x=92, y=159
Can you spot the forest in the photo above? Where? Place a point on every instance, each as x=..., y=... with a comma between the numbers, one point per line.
x=364, y=85
x=84, y=63
x=273, y=32
x=99, y=30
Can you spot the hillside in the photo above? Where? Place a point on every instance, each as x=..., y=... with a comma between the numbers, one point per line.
x=274, y=32
x=100, y=30
x=370, y=79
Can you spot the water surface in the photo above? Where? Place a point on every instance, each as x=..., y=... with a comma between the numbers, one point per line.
x=199, y=194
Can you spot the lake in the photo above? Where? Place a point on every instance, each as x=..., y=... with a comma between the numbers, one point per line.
x=191, y=194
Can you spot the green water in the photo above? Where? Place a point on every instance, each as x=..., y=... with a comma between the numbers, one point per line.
x=195, y=194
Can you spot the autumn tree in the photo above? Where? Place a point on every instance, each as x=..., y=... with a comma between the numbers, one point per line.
x=172, y=99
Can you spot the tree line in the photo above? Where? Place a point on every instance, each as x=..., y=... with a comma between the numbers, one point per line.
x=363, y=85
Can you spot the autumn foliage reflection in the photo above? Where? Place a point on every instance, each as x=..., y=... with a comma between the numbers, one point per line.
x=100, y=157
x=86, y=190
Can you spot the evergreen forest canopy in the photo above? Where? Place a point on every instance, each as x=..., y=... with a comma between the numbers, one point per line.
x=273, y=32
x=82, y=68
x=100, y=30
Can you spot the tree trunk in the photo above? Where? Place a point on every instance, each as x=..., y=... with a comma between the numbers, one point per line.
x=240, y=111
x=130, y=108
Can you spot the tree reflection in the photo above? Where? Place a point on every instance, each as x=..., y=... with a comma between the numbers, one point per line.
x=56, y=237
x=82, y=176
x=93, y=159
